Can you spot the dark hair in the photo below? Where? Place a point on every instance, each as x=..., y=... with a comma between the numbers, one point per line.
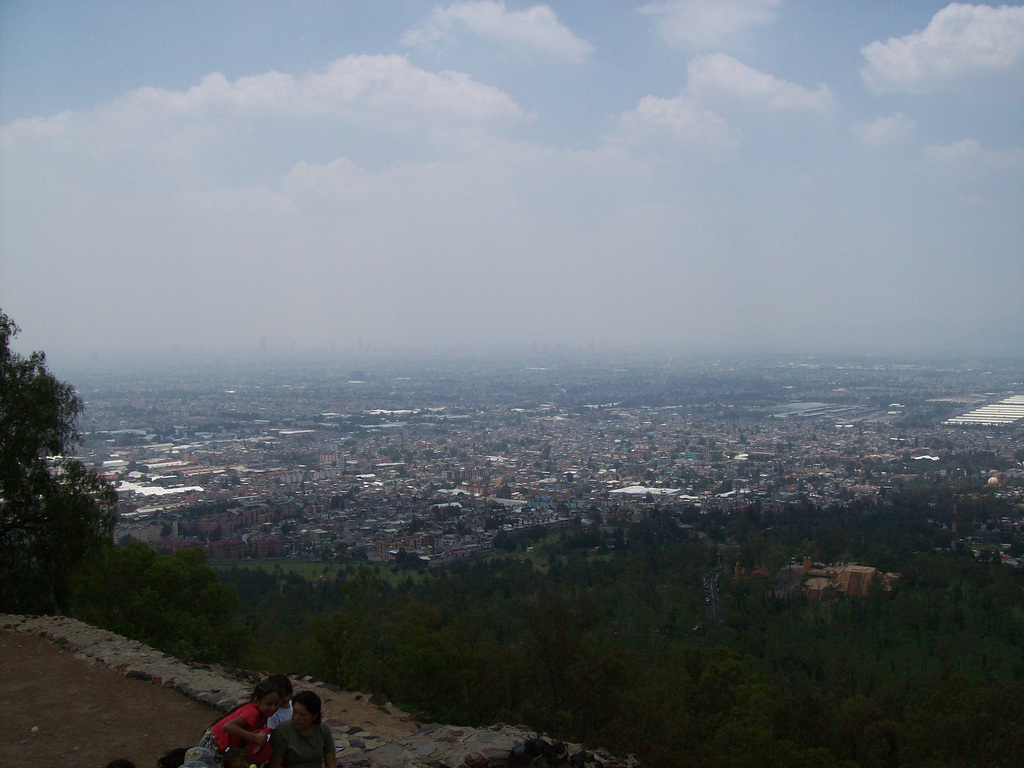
x=172, y=759
x=263, y=689
x=120, y=763
x=284, y=685
x=233, y=756
x=311, y=702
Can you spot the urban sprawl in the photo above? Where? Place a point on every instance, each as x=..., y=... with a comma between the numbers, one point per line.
x=442, y=461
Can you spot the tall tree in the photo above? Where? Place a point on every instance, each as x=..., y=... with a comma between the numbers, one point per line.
x=53, y=511
x=172, y=602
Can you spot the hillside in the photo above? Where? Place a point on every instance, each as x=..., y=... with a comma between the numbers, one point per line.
x=77, y=697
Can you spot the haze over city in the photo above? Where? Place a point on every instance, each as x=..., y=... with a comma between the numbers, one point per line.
x=272, y=177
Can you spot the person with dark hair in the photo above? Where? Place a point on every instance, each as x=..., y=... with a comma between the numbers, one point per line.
x=284, y=706
x=236, y=758
x=305, y=741
x=245, y=726
x=121, y=763
x=172, y=759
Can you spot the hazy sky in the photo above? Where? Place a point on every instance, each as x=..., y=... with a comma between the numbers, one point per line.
x=743, y=174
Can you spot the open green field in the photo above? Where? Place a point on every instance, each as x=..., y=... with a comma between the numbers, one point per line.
x=538, y=556
x=309, y=569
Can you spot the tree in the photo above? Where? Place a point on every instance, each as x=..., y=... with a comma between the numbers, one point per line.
x=53, y=511
x=172, y=602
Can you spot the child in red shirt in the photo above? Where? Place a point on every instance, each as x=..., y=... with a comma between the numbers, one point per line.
x=245, y=725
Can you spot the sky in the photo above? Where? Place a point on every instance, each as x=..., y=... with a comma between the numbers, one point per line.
x=737, y=175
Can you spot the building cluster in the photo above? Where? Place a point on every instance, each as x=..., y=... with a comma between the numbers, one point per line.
x=821, y=582
x=438, y=463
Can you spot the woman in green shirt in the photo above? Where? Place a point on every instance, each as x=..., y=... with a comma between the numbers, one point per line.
x=303, y=741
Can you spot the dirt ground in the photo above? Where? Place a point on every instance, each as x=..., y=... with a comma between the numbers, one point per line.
x=64, y=712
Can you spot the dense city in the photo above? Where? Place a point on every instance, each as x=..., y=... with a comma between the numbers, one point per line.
x=442, y=461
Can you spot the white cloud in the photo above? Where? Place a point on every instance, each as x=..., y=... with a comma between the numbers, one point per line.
x=186, y=139
x=355, y=86
x=374, y=83
x=960, y=39
x=705, y=24
x=883, y=130
x=195, y=179
x=720, y=76
x=716, y=81
x=535, y=29
x=967, y=156
x=680, y=118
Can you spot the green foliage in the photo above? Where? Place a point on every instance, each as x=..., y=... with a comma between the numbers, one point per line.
x=172, y=602
x=616, y=649
x=956, y=723
x=332, y=633
x=53, y=512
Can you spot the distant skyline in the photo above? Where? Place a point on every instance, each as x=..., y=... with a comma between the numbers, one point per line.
x=735, y=175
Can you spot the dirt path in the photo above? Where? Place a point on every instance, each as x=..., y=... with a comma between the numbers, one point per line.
x=64, y=712
x=61, y=711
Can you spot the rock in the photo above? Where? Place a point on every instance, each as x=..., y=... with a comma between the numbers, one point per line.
x=210, y=699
